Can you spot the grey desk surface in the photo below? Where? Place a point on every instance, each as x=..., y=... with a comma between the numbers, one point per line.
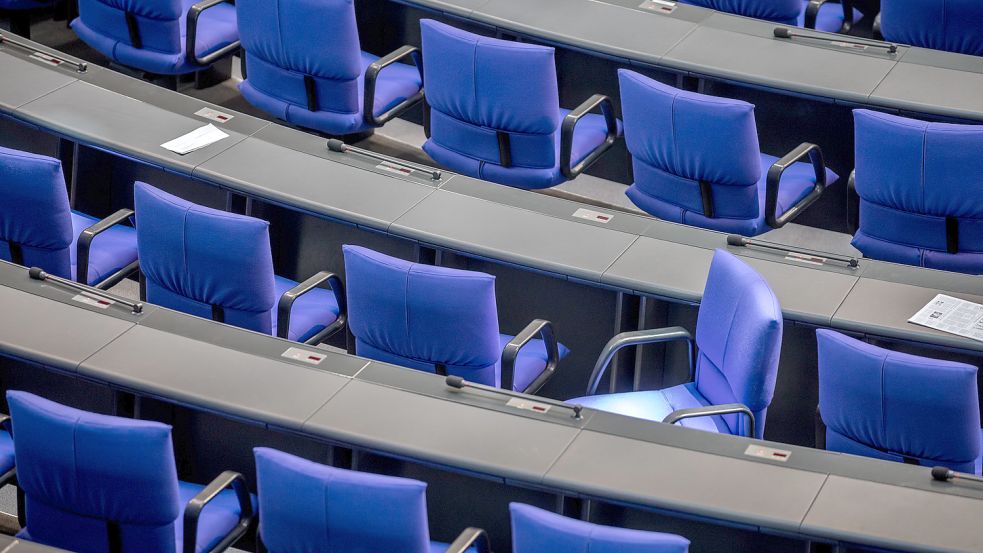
x=13, y=545
x=930, y=81
x=25, y=81
x=913, y=520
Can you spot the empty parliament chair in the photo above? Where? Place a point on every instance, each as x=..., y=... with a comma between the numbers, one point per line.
x=538, y=531
x=162, y=37
x=739, y=337
x=304, y=66
x=97, y=484
x=307, y=506
x=18, y=12
x=219, y=265
x=696, y=161
x=494, y=111
x=38, y=227
x=442, y=320
x=822, y=15
x=951, y=25
x=895, y=406
x=918, y=187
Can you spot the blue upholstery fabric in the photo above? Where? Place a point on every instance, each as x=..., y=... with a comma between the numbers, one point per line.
x=162, y=27
x=885, y=404
x=35, y=214
x=739, y=336
x=69, y=467
x=286, y=41
x=952, y=25
x=538, y=531
x=195, y=257
x=779, y=11
x=6, y=452
x=24, y=4
x=678, y=138
x=830, y=18
x=910, y=176
x=477, y=86
x=417, y=315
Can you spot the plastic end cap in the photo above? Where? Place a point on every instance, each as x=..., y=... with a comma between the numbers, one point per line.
x=455, y=382
x=941, y=474
x=37, y=274
x=783, y=32
x=736, y=240
x=336, y=145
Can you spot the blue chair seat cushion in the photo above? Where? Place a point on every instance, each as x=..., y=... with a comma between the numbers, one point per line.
x=830, y=18
x=310, y=314
x=530, y=362
x=655, y=405
x=6, y=452
x=109, y=252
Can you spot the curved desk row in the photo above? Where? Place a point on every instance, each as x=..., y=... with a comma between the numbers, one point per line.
x=411, y=415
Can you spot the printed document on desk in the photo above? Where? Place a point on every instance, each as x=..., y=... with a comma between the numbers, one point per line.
x=952, y=315
x=195, y=140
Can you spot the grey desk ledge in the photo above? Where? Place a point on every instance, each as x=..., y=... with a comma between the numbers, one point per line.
x=930, y=81
x=24, y=81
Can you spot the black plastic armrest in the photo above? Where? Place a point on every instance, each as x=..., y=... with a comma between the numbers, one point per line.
x=636, y=338
x=570, y=123
x=812, y=12
x=286, y=304
x=193, y=511
x=877, y=32
x=469, y=537
x=775, y=177
x=372, y=74
x=847, y=16
x=85, y=242
x=852, y=204
x=191, y=44
x=543, y=329
x=713, y=410
x=820, y=430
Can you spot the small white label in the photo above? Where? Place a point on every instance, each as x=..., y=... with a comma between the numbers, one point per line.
x=528, y=405
x=805, y=258
x=781, y=455
x=93, y=300
x=46, y=59
x=304, y=356
x=393, y=168
x=658, y=6
x=850, y=45
x=217, y=116
x=592, y=215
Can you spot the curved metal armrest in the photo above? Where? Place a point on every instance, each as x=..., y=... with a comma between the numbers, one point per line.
x=469, y=537
x=852, y=204
x=636, y=338
x=570, y=123
x=372, y=74
x=544, y=329
x=191, y=42
x=877, y=33
x=713, y=410
x=286, y=303
x=193, y=511
x=775, y=176
x=812, y=12
x=85, y=244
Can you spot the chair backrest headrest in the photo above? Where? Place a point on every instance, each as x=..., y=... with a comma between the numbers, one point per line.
x=34, y=212
x=160, y=23
x=421, y=312
x=205, y=255
x=306, y=506
x=536, y=530
x=779, y=11
x=739, y=335
x=952, y=25
x=899, y=403
x=92, y=466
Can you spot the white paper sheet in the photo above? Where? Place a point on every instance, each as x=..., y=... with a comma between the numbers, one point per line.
x=195, y=140
x=952, y=315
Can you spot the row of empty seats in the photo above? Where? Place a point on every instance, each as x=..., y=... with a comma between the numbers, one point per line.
x=79, y=494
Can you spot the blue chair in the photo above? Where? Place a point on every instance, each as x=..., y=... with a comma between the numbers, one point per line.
x=951, y=25
x=442, y=320
x=493, y=111
x=306, y=506
x=38, y=228
x=696, y=161
x=18, y=12
x=918, y=202
x=304, y=66
x=162, y=37
x=821, y=15
x=96, y=484
x=739, y=336
x=538, y=531
x=895, y=406
x=218, y=265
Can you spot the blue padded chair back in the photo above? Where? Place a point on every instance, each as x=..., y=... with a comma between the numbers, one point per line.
x=911, y=176
x=478, y=85
x=679, y=139
x=196, y=257
x=34, y=212
x=889, y=405
x=538, y=531
x=739, y=335
x=288, y=41
x=779, y=11
x=80, y=471
x=160, y=22
x=952, y=25
x=306, y=506
x=418, y=315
